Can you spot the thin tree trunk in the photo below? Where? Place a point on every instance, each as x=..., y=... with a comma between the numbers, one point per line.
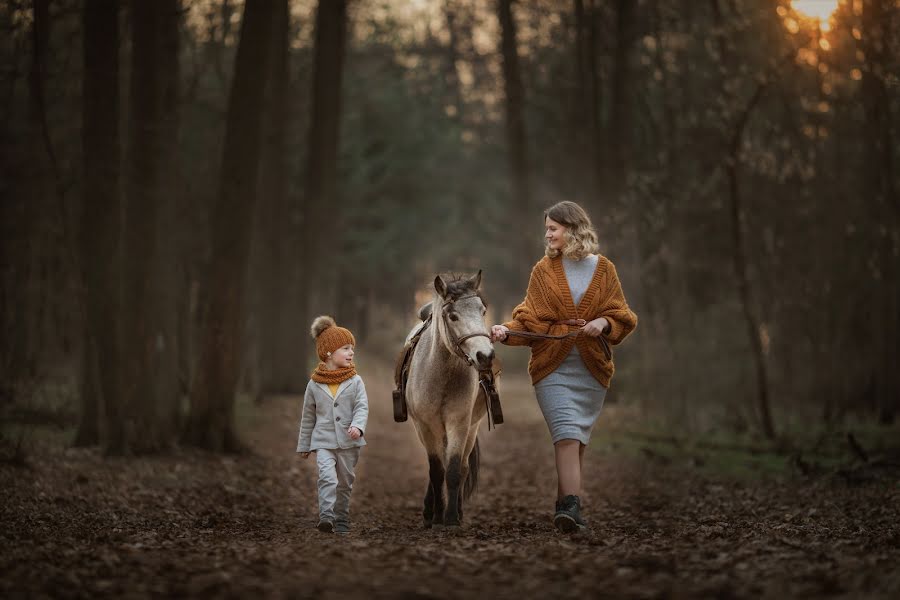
x=516, y=142
x=170, y=282
x=741, y=267
x=586, y=107
x=88, y=432
x=321, y=183
x=739, y=255
x=143, y=426
x=211, y=421
x=618, y=149
x=101, y=227
x=275, y=271
x=880, y=160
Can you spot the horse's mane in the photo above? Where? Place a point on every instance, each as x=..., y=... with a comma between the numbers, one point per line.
x=460, y=284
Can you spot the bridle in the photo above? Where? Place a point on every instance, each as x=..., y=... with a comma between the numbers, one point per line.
x=604, y=343
x=486, y=376
x=456, y=342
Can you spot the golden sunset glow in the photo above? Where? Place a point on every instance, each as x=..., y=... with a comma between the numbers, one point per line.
x=816, y=10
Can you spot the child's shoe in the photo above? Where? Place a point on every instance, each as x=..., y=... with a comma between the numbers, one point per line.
x=342, y=527
x=325, y=526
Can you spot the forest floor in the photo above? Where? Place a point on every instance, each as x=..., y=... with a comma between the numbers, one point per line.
x=663, y=524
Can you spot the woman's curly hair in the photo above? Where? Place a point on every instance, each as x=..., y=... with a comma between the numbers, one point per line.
x=581, y=238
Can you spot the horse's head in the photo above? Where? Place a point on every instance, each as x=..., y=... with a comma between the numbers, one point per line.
x=459, y=316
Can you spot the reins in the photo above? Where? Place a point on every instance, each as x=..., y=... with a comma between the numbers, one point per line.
x=604, y=343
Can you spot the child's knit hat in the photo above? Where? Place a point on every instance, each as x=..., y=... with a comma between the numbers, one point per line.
x=329, y=337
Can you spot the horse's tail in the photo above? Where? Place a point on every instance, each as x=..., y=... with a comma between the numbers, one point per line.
x=472, y=480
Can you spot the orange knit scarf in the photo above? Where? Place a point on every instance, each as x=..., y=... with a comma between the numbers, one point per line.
x=323, y=374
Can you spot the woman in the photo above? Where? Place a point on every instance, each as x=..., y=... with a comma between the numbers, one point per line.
x=572, y=289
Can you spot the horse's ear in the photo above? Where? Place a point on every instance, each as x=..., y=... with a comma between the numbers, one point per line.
x=476, y=280
x=440, y=286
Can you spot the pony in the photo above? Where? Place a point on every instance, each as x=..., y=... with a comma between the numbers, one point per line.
x=444, y=398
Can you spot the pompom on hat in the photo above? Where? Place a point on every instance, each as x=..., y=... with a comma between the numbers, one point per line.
x=329, y=337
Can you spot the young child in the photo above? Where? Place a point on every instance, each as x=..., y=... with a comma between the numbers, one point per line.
x=335, y=410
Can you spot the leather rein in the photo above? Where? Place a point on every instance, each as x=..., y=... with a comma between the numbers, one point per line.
x=604, y=343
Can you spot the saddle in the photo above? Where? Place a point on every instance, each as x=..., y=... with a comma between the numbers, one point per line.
x=487, y=378
x=401, y=370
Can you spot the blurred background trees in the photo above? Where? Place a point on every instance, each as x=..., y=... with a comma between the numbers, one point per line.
x=187, y=183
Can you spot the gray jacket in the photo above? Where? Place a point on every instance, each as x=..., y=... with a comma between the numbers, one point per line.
x=325, y=420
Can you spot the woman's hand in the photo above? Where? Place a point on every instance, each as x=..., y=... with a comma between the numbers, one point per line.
x=354, y=433
x=499, y=333
x=596, y=328
x=304, y=454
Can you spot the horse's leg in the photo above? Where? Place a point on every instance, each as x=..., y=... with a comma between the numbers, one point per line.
x=464, y=470
x=433, y=508
x=457, y=432
x=428, y=509
x=433, y=512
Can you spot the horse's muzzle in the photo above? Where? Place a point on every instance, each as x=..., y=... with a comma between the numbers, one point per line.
x=484, y=360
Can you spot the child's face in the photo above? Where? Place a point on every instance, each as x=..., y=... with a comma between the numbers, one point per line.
x=342, y=357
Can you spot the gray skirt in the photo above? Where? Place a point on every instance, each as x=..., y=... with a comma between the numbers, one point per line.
x=570, y=399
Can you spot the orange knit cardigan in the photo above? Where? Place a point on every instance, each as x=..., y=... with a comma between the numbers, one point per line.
x=549, y=300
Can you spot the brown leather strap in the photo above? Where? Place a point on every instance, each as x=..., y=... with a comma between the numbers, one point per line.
x=543, y=336
x=604, y=343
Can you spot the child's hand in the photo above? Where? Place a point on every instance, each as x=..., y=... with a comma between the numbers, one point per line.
x=304, y=454
x=354, y=433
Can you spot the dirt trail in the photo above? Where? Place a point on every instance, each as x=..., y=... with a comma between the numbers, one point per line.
x=195, y=524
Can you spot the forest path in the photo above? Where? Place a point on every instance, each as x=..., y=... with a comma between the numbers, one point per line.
x=195, y=524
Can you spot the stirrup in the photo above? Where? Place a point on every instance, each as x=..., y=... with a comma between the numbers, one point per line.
x=400, y=414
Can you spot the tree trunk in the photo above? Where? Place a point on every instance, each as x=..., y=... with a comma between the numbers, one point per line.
x=587, y=136
x=170, y=280
x=618, y=148
x=876, y=102
x=742, y=271
x=211, y=421
x=101, y=227
x=322, y=150
x=144, y=431
x=739, y=256
x=521, y=204
x=276, y=271
x=88, y=432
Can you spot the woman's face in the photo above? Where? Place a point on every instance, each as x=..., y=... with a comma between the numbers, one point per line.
x=554, y=234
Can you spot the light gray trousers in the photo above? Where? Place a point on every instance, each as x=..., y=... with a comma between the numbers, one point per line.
x=336, y=482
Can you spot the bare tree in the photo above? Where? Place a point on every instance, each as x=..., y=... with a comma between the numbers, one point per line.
x=211, y=421
x=586, y=119
x=168, y=274
x=145, y=430
x=516, y=140
x=100, y=225
x=876, y=101
x=276, y=271
x=322, y=151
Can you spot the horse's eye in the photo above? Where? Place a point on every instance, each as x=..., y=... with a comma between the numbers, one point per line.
x=454, y=317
